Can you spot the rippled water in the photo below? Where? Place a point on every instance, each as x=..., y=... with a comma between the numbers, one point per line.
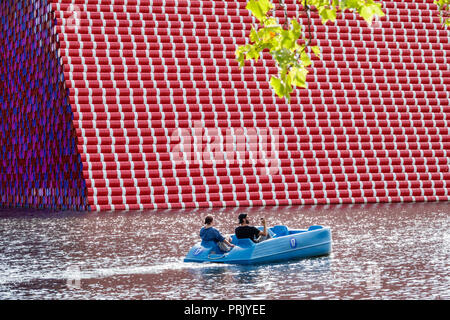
x=387, y=251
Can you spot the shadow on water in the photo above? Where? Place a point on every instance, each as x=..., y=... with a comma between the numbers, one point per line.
x=248, y=272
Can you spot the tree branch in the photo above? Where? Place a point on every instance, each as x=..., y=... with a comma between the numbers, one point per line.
x=307, y=10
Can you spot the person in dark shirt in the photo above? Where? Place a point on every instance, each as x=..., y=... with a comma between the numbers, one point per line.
x=209, y=233
x=246, y=231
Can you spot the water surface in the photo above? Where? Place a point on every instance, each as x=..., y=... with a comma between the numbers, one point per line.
x=380, y=251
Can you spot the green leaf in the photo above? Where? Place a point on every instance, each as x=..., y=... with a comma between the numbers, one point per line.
x=376, y=8
x=259, y=8
x=350, y=4
x=255, y=9
x=240, y=56
x=265, y=5
x=298, y=76
x=252, y=53
x=316, y=51
x=331, y=13
x=296, y=28
x=367, y=14
x=269, y=33
x=270, y=22
x=444, y=8
x=253, y=35
x=306, y=61
x=327, y=14
x=277, y=86
x=287, y=39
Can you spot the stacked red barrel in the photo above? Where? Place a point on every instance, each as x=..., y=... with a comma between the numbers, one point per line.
x=164, y=117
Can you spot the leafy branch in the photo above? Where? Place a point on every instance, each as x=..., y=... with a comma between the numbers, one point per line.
x=286, y=43
x=444, y=8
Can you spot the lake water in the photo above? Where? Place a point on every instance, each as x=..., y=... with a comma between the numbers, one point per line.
x=380, y=251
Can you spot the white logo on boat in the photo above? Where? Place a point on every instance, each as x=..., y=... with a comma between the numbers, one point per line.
x=293, y=243
x=197, y=251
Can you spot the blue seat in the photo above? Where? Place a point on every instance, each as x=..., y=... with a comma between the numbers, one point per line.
x=245, y=243
x=241, y=242
x=279, y=231
x=314, y=228
x=211, y=245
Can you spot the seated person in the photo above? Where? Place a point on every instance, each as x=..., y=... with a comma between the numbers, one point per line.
x=246, y=231
x=209, y=233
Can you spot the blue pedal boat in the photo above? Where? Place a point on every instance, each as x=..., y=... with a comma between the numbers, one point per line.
x=284, y=244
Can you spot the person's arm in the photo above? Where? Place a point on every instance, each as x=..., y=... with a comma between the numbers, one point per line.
x=228, y=243
x=221, y=238
x=264, y=232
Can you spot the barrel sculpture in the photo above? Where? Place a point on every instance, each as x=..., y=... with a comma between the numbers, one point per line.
x=141, y=104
